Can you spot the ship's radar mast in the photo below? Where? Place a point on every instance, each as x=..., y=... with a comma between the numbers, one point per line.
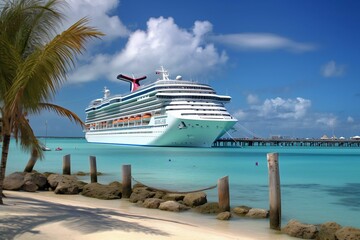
x=106, y=93
x=163, y=73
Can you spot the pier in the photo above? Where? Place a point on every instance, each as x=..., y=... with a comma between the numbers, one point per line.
x=263, y=142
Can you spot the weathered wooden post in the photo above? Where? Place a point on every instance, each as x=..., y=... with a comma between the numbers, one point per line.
x=66, y=165
x=223, y=193
x=93, y=170
x=274, y=191
x=126, y=181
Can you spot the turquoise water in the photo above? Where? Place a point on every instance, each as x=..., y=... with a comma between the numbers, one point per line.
x=317, y=184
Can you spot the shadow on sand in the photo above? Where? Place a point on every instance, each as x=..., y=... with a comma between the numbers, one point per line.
x=28, y=213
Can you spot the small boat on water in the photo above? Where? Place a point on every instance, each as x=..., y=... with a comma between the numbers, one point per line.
x=45, y=148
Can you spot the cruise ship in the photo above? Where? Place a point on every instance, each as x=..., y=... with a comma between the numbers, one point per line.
x=166, y=113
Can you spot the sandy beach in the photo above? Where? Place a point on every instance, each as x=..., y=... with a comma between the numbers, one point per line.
x=44, y=215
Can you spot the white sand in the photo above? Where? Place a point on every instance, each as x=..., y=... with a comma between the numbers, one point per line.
x=45, y=215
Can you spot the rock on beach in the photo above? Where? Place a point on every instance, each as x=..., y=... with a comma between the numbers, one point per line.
x=297, y=229
x=173, y=206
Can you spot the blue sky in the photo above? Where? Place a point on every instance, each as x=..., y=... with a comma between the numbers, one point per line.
x=292, y=68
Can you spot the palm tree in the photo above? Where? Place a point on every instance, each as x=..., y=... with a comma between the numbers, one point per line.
x=34, y=63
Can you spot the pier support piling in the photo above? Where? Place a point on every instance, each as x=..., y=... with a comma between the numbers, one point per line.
x=93, y=170
x=66, y=165
x=126, y=181
x=274, y=191
x=223, y=192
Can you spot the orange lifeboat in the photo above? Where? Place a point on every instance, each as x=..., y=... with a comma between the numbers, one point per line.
x=147, y=116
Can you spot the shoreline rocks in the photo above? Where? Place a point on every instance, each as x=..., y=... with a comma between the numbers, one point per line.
x=145, y=197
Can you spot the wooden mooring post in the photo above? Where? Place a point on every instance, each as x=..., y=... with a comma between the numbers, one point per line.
x=274, y=191
x=126, y=181
x=66, y=165
x=93, y=170
x=223, y=193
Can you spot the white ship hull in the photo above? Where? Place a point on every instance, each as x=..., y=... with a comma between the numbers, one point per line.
x=166, y=131
x=165, y=113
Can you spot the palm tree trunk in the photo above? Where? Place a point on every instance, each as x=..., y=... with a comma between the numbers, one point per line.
x=31, y=163
x=4, y=156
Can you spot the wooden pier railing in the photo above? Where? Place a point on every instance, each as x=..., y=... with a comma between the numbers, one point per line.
x=248, y=142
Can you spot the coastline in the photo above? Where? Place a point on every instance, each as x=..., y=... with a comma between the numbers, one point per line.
x=44, y=215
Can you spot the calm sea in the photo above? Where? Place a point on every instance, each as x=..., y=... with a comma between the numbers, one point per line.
x=317, y=184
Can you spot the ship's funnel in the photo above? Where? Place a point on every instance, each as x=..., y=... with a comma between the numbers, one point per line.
x=134, y=82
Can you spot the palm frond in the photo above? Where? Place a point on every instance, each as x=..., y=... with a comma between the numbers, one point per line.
x=44, y=71
x=61, y=111
x=28, y=140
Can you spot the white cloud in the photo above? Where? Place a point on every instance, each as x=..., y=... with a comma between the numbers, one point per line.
x=98, y=68
x=283, y=108
x=162, y=43
x=252, y=99
x=99, y=14
x=350, y=119
x=240, y=114
x=328, y=121
x=331, y=69
x=262, y=41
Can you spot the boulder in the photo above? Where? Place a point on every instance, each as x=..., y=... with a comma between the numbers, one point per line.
x=37, y=178
x=54, y=179
x=116, y=184
x=223, y=216
x=14, y=181
x=327, y=231
x=173, y=197
x=138, y=185
x=300, y=230
x=257, y=213
x=172, y=206
x=140, y=194
x=152, y=202
x=65, y=184
x=241, y=210
x=29, y=186
x=66, y=188
x=211, y=208
x=195, y=199
x=159, y=194
x=97, y=190
x=348, y=233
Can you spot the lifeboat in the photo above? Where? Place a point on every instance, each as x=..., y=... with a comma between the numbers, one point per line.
x=147, y=116
x=132, y=118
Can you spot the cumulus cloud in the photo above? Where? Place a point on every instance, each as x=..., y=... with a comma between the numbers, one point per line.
x=99, y=14
x=283, y=108
x=262, y=41
x=332, y=69
x=240, y=114
x=328, y=121
x=162, y=43
x=252, y=99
